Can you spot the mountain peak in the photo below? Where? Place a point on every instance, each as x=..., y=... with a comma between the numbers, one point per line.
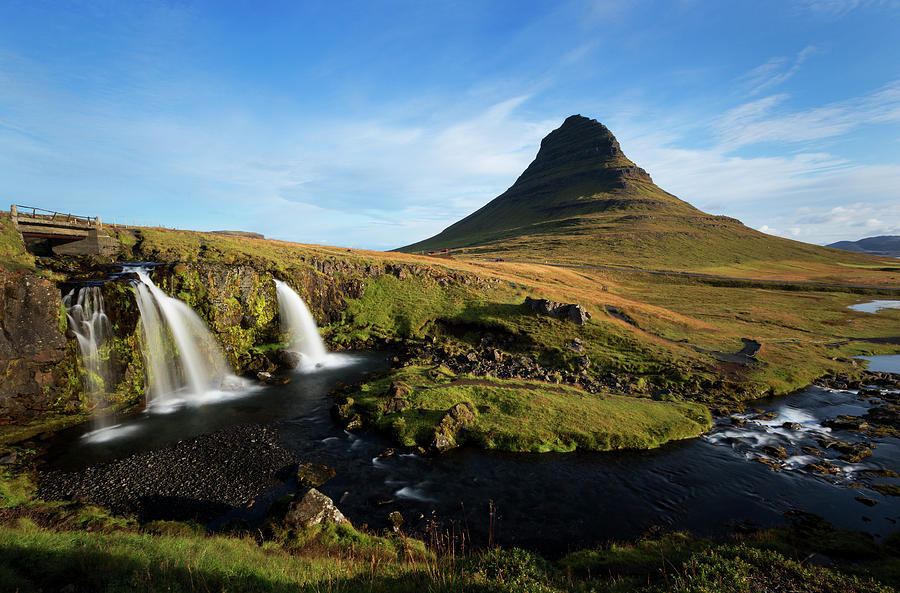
x=579, y=173
x=587, y=146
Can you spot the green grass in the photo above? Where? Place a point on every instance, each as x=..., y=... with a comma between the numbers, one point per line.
x=13, y=256
x=48, y=546
x=519, y=415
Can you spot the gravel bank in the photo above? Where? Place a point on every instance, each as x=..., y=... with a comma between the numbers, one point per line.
x=200, y=478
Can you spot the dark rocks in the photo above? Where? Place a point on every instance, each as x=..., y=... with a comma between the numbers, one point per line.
x=313, y=475
x=571, y=312
x=343, y=412
x=885, y=415
x=869, y=502
x=455, y=420
x=792, y=425
x=194, y=479
x=775, y=465
x=300, y=511
x=887, y=489
x=852, y=452
x=823, y=467
x=270, y=379
x=289, y=358
x=776, y=452
x=845, y=422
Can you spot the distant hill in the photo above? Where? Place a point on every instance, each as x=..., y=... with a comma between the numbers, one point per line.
x=885, y=245
x=583, y=201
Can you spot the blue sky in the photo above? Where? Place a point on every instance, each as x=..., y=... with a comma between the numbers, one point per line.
x=377, y=124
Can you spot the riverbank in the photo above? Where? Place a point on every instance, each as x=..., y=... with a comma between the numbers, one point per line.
x=70, y=546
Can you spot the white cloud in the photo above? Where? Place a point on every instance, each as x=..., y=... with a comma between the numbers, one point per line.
x=775, y=71
x=763, y=120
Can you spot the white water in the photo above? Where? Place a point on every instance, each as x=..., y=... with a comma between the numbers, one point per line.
x=875, y=306
x=298, y=323
x=184, y=363
x=88, y=321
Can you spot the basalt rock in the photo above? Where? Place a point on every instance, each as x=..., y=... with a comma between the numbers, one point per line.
x=570, y=312
x=299, y=511
x=32, y=345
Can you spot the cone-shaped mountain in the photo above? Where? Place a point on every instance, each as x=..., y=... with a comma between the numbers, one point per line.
x=583, y=201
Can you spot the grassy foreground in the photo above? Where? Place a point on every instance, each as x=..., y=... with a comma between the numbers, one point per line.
x=74, y=547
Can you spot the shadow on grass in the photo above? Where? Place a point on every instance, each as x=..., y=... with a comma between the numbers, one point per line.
x=84, y=567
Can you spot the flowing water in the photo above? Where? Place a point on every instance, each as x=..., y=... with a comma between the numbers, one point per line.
x=551, y=502
x=184, y=362
x=88, y=321
x=299, y=327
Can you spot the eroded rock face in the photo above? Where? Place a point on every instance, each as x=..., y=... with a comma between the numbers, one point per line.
x=570, y=312
x=32, y=344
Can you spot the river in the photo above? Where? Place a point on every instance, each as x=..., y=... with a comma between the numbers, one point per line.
x=550, y=502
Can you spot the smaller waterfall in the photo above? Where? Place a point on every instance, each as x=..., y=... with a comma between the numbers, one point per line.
x=88, y=321
x=183, y=360
x=298, y=323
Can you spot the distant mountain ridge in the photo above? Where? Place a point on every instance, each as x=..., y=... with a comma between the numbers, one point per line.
x=581, y=200
x=883, y=245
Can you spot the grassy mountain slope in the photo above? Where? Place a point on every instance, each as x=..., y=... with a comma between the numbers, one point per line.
x=582, y=201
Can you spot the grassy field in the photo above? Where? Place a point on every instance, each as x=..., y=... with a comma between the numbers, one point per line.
x=666, y=332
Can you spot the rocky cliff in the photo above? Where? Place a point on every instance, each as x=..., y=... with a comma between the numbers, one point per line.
x=32, y=345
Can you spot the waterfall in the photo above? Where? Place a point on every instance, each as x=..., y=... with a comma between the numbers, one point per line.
x=183, y=360
x=298, y=323
x=88, y=321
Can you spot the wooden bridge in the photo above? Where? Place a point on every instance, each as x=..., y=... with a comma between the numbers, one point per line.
x=67, y=234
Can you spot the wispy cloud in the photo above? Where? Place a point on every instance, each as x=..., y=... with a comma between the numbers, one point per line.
x=775, y=71
x=768, y=120
x=840, y=8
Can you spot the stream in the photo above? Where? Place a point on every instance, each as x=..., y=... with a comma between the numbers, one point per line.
x=550, y=502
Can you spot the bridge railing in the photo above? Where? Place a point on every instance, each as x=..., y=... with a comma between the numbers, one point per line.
x=51, y=216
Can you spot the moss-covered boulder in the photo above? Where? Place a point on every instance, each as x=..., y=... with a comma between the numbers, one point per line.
x=456, y=419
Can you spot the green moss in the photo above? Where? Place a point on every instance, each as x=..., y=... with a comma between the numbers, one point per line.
x=527, y=415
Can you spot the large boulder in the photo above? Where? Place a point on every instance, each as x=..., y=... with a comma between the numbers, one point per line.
x=570, y=312
x=289, y=358
x=311, y=508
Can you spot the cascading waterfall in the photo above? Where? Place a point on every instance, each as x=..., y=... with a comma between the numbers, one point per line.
x=298, y=323
x=88, y=321
x=183, y=361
